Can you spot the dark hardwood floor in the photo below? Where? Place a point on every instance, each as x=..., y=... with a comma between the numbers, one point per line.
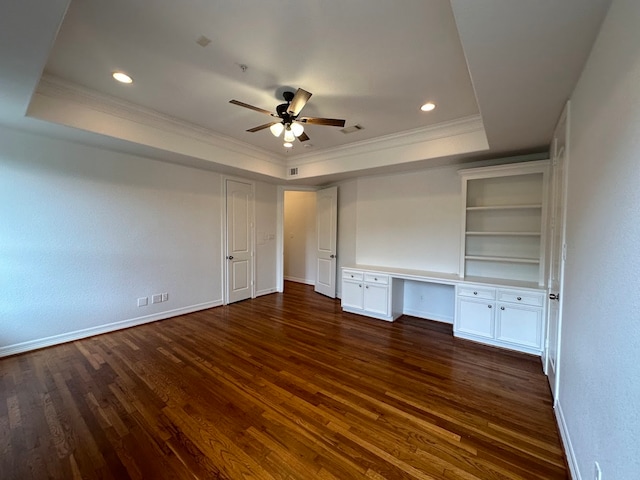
x=284, y=386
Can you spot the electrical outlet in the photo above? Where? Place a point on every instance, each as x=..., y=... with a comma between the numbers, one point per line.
x=143, y=301
x=157, y=298
x=165, y=297
x=597, y=473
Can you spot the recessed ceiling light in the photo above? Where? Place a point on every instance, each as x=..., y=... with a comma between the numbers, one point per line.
x=122, y=77
x=427, y=107
x=287, y=145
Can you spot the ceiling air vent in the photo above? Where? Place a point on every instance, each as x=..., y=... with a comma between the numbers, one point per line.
x=203, y=41
x=293, y=172
x=351, y=129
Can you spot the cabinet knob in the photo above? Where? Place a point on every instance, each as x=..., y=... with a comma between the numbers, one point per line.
x=351, y=276
x=360, y=285
x=366, y=286
x=375, y=278
x=489, y=306
x=501, y=308
x=475, y=293
x=519, y=298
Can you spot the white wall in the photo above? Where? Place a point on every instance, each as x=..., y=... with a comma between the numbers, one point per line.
x=300, y=236
x=266, y=226
x=410, y=220
x=599, y=394
x=347, y=207
x=85, y=232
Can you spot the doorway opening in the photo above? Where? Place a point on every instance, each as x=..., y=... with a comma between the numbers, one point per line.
x=307, y=223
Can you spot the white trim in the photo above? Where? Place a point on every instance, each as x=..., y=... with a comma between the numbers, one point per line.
x=266, y=291
x=574, y=471
x=438, y=131
x=506, y=170
x=436, y=317
x=99, y=330
x=57, y=88
x=300, y=280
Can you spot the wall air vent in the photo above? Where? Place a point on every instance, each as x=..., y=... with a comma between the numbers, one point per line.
x=293, y=172
x=351, y=129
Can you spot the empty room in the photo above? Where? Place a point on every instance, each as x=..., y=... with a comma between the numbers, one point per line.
x=295, y=240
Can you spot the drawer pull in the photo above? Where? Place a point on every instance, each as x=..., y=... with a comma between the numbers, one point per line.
x=351, y=276
x=375, y=278
x=519, y=298
x=475, y=293
x=501, y=308
x=489, y=306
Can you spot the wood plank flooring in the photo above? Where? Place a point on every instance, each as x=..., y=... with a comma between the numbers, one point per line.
x=285, y=386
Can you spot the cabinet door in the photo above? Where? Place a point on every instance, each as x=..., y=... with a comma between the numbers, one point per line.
x=352, y=294
x=376, y=299
x=475, y=318
x=519, y=324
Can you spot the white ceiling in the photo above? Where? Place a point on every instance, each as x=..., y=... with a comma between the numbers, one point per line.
x=367, y=61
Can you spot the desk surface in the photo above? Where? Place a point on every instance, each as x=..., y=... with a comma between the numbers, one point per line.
x=442, y=278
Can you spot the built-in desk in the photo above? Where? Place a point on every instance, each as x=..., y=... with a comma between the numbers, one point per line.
x=507, y=314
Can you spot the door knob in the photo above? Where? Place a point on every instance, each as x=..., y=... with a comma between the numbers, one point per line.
x=554, y=296
x=332, y=256
x=230, y=257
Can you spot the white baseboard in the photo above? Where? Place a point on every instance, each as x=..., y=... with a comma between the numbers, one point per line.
x=566, y=442
x=428, y=316
x=266, y=291
x=300, y=280
x=110, y=327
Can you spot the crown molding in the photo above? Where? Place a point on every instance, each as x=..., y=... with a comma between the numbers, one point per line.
x=59, y=101
x=60, y=89
x=453, y=128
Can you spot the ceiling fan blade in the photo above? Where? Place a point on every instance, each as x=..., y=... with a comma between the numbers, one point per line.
x=261, y=127
x=298, y=102
x=332, y=122
x=303, y=137
x=251, y=107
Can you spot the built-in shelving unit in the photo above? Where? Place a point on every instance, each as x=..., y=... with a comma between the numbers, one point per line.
x=504, y=215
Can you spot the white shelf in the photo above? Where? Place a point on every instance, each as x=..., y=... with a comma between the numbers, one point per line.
x=504, y=222
x=506, y=234
x=483, y=258
x=506, y=207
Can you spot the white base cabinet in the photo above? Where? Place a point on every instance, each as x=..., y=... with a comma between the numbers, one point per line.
x=370, y=294
x=492, y=313
x=502, y=317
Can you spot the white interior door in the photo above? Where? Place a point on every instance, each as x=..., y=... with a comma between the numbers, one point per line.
x=239, y=254
x=326, y=232
x=558, y=251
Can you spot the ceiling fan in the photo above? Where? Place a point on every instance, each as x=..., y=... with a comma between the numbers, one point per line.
x=288, y=114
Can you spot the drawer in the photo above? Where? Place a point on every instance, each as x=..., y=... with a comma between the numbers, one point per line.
x=352, y=275
x=525, y=298
x=476, y=292
x=375, y=278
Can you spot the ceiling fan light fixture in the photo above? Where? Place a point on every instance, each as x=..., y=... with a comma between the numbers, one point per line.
x=427, y=107
x=287, y=145
x=297, y=129
x=276, y=129
x=288, y=135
